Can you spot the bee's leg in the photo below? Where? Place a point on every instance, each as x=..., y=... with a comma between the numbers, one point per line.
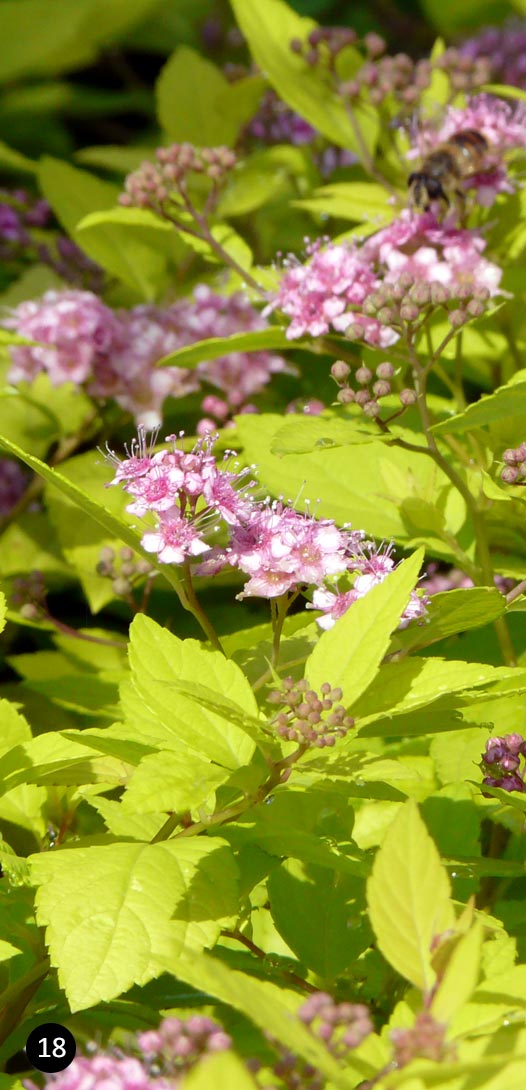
x=461, y=206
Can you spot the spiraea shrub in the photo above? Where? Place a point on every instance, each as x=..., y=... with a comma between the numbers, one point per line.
x=263, y=545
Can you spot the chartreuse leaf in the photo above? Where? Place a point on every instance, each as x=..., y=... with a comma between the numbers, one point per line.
x=415, y=683
x=495, y=998
x=7, y=950
x=54, y=759
x=360, y=202
x=408, y=895
x=164, y=782
x=132, y=257
x=116, y=528
x=196, y=102
x=460, y=976
x=117, y=915
x=271, y=1009
x=454, y=611
x=222, y=1069
x=3, y=610
x=214, y=347
x=507, y=401
x=14, y=160
x=368, y=486
x=159, y=662
x=305, y=434
x=320, y=914
x=269, y=28
x=350, y=653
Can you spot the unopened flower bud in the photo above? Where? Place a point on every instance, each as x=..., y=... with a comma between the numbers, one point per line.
x=457, y=318
x=409, y=312
x=340, y=371
x=362, y=397
x=510, y=474
x=345, y=396
x=407, y=396
x=385, y=370
x=371, y=408
x=475, y=308
x=510, y=456
x=381, y=388
x=374, y=44
x=30, y=611
x=121, y=586
x=363, y=375
x=439, y=294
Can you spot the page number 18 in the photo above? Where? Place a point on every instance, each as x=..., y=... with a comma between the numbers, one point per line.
x=51, y=1047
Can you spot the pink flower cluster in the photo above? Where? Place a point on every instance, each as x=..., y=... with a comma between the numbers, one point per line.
x=167, y=1054
x=502, y=124
x=432, y=253
x=328, y=291
x=281, y=550
x=114, y=353
x=104, y=1070
x=186, y=491
x=340, y=286
x=370, y=567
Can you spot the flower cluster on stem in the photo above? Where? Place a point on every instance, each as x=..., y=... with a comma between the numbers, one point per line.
x=308, y=717
x=503, y=762
x=114, y=352
x=397, y=277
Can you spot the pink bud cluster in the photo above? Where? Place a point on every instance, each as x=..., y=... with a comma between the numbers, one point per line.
x=341, y=1027
x=166, y=1054
x=425, y=1040
x=157, y=185
x=503, y=762
x=308, y=717
x=514, y=471
x=402, y=79
x=178, y=1044
x=114, y=353
x=368, y=397
x=123, y=568
x=396, y=277
x=324, y=44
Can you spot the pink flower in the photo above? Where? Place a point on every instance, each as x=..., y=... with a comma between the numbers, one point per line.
x=186, y=491
x=281, y=549
x=501, y=122
x=174, y=539
x=326, y=291
x=106, y=1072
x=370, y=567
x=432, y=252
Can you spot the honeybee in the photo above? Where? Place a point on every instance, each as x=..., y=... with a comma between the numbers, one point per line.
x=444, y=169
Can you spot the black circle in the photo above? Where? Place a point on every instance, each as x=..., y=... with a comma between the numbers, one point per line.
x=51, y=1047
